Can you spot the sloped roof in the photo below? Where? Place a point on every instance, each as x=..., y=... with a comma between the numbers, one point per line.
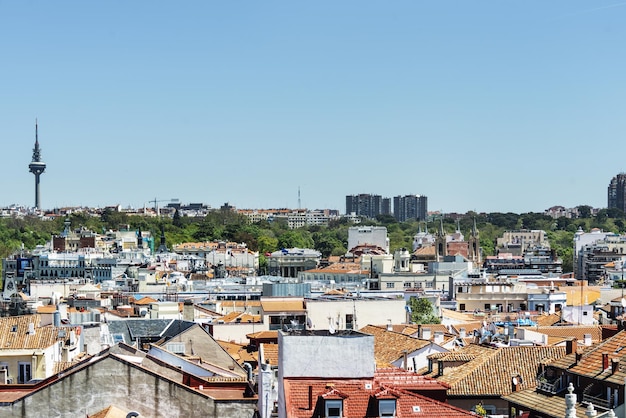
x=270, y=354
x=110, y=412
x=146, y=300
x=14, y=333
x=389, y=346
x=271, y=305
x=591, y=362
x=489, y=373
x=357, y=395
x=548, y=406
x=576, y=331
x=548, y=319
x=262, y=335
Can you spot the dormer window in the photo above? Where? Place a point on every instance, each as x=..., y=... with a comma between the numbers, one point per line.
x=14, y=328
x=333, y=408
x=386, y=407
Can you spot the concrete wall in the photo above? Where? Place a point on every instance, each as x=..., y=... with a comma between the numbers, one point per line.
x=113, y=382
x=329, y=356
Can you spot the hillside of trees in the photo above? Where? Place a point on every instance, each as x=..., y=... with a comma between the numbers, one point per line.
x=266, y=237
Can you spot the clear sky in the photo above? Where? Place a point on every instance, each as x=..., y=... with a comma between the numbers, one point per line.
x=480, y=105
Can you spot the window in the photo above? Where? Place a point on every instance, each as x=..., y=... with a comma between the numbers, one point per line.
x=407, y=284
x=391, y=285
x=461, y=307
x=333, y=408
x=24, y=372
x=387, y=407
x=349, y=321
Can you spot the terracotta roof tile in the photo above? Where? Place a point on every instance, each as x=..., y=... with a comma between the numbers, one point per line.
x=489, y=373
x=302, y=397
x=270, y=354
x=282, y=305
x=389, y=346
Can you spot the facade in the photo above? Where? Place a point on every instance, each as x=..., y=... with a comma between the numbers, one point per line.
x=410, y=208
x=616, y=193
x=290, y=262
x=584, y=239
x=593, y=258
x=368, y=205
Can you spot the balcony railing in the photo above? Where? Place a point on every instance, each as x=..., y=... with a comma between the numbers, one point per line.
x=552, y=386
x=597, y=401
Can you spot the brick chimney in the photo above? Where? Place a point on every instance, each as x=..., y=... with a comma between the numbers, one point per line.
x=605, y=361
x=516, y=383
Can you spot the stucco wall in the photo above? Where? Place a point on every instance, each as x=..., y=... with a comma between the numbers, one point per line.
x=112, y=382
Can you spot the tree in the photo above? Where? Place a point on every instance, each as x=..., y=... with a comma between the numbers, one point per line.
x=422, y=311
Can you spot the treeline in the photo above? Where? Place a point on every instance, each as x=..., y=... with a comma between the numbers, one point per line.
x=266, y=237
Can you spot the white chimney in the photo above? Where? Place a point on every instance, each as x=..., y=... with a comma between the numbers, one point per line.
x=438, y=337
x=462, y=333
x=389, y=326
x=426, y=333
x=587, y=339
x=31, y=328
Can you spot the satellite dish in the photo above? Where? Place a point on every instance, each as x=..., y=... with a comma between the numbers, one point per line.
x=515, y=381
x=623, y=303
x=309, y=323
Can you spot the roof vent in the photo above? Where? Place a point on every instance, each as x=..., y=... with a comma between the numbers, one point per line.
x=416, y=408
x=368, y=386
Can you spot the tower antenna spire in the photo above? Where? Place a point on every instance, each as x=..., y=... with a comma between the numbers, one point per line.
x=37, y=167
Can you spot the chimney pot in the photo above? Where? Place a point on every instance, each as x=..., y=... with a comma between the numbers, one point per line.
x=614, y=365
x=605, y=361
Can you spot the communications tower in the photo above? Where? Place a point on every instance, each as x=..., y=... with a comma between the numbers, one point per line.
x=37, y=167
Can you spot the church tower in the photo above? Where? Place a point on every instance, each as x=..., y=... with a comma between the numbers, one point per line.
x=474, y=247
x=441, y=244
x=37, y=167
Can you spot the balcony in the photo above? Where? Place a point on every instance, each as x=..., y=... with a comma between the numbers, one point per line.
x=551, y=385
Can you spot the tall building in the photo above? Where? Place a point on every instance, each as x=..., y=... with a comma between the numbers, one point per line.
x=369, y=205
x=617, y=192
x=410, y=207
x=37, y=167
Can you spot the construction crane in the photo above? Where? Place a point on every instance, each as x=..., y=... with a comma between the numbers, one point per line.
x=157, y=201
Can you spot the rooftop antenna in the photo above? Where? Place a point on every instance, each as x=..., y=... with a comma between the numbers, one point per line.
x=299, y=197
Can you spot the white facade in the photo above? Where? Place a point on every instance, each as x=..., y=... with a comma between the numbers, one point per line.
x=368, y=235
x=346, y=313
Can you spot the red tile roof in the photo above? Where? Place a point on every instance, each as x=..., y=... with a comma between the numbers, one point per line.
x=304, y=396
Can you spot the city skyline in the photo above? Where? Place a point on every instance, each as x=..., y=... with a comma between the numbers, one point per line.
x=484, y=107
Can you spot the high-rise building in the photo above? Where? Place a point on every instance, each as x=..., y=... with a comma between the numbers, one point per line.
x=410, y=207
x=37, y=167
x=369, y=205
x=617, y=192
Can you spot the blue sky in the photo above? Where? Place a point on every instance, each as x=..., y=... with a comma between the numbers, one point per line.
x=480, y=105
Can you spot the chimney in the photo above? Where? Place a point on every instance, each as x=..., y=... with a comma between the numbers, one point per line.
x=579, y=356
x=605, y=361
x=440, y=368
x=614, y=365
x=438, y=337
x=571, y=346
x=462, y=333
x=587, y=339
x=31, y=328
x=426, y=333
x=310, y=397
x=389, y=326
x=406, y=359
x=516, y=382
